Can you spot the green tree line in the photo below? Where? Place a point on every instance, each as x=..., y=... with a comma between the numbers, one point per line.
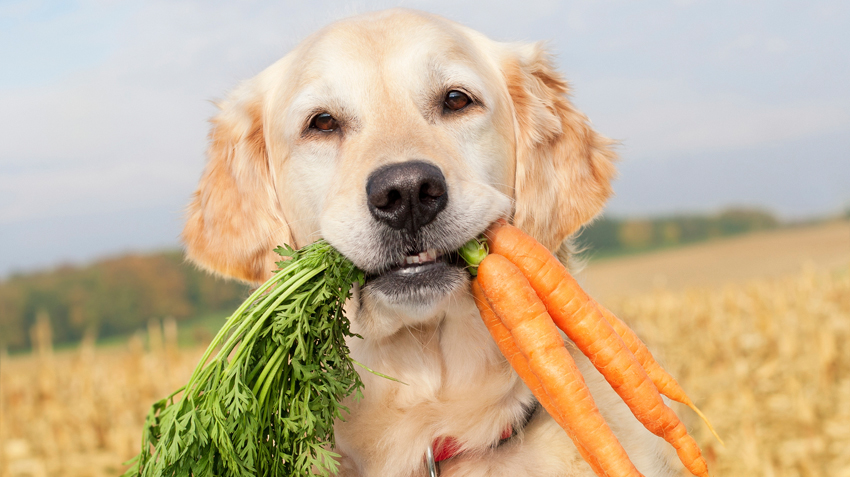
x=110, y=297
x=613, y=236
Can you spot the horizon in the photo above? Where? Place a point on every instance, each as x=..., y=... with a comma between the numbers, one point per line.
x=813, y=220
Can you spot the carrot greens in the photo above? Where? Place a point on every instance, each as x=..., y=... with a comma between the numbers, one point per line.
x=264, y=397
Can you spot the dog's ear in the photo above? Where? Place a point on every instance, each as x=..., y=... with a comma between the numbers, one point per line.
x=563, y=166
x=235, y=219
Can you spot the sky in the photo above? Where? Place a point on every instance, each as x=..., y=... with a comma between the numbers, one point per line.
x=715, y=104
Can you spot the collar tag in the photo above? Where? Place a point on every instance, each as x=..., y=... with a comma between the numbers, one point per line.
x=430, y=464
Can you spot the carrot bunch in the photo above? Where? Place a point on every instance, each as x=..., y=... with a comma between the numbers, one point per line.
x=525, y=294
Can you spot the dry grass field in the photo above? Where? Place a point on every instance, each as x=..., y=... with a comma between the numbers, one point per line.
x=80, y=412
x=722, y=261
x=761, y=344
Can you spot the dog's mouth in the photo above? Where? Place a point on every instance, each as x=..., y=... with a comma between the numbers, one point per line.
x=419, y=262
x=420, y=276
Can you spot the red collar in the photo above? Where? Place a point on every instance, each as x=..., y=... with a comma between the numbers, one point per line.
x=448, y=447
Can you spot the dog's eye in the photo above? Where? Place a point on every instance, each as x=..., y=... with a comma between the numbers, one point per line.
x=456, y=100
x=324, y=122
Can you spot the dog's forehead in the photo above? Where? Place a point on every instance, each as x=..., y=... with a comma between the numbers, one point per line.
x=398, y=48
x=393, y=33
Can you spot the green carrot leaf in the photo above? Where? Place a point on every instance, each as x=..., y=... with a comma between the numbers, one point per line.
x=264, y=397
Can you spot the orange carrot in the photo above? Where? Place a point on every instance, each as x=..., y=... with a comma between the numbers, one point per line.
x=505, y=342
x=666, y=384
x=577, y=315
x=534, y=334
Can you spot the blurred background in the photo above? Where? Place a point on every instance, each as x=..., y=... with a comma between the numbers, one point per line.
x=727, y=245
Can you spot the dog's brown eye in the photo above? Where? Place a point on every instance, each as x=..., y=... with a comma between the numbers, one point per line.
x=324, y=122
x=456, y=100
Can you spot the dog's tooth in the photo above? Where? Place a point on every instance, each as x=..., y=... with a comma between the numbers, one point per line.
x=423, y=257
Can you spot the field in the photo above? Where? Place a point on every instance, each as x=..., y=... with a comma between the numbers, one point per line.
x=716, y=263
x=756, y=328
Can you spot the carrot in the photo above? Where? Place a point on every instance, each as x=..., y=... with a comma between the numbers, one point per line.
x=558, y=382
x=505, y=341
x=577, y=315
x=666, y=384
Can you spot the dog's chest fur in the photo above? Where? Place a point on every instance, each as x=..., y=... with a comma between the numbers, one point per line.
x=457, y=384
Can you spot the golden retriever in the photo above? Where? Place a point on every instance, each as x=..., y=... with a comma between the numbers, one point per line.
x=398, y=136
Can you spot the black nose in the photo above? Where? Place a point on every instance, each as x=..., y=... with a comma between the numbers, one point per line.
x=407, y=195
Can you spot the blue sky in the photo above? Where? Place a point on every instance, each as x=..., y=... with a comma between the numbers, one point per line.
x=105, y=104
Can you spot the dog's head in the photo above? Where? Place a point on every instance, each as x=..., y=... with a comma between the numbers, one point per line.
x=397, y=136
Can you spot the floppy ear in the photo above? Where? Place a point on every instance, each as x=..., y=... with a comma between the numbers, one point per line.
x=234, y=219
x=563, y=166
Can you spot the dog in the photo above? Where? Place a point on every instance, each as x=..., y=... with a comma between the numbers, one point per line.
x=397, y=136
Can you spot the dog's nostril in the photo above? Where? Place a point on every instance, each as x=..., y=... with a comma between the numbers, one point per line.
x=392, y=200
x=429, y=191
x=407, y=195
x=423, y=193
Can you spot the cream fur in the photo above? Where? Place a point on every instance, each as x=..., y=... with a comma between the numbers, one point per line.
x=523, y=152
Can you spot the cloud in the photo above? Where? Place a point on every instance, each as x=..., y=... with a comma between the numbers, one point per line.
x=797, y=178
x=661, y=118
x=753, y=44
x=68, y=191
